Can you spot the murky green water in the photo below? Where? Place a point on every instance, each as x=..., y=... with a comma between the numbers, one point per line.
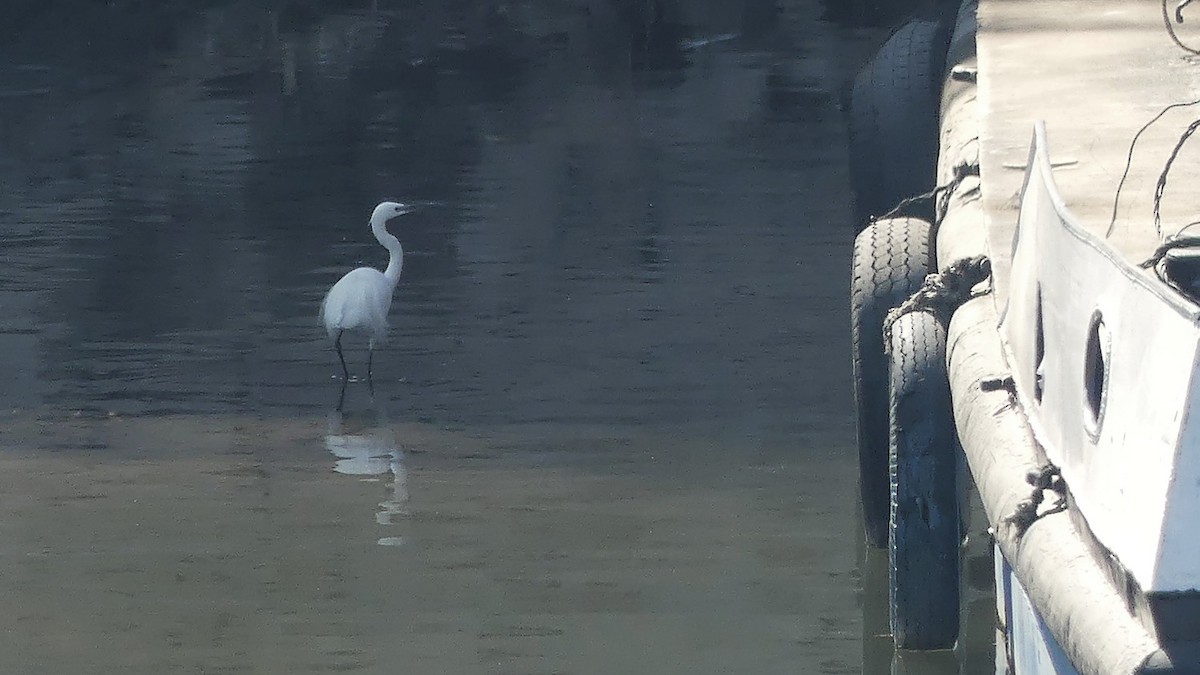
x=612, y=431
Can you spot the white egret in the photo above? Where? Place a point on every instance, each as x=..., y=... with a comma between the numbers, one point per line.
x=360, y=300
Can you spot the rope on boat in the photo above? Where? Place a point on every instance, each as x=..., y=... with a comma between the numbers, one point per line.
x=1161, y=186
x=1167, y=246
x=1178, y=19
x=940, y=194
x=1046, y=477
x=943, y=292
x=1129, y=162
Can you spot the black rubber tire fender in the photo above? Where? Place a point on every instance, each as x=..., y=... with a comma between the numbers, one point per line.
x=924, y=543
x=890, y=261
x=894, y=118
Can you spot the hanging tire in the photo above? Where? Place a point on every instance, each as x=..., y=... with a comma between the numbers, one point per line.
x=893, y=120
x=924, y=538
x=891, y=258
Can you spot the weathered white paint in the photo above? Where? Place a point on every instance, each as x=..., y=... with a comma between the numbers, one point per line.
x=1134, y=469
x=1032, y=647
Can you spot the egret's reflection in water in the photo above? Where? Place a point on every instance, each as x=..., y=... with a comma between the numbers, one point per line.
x=365, y=445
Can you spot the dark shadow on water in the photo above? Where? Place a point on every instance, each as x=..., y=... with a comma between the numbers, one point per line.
x=878, y=13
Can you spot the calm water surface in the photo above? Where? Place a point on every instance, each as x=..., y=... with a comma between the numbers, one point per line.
x=612, y=432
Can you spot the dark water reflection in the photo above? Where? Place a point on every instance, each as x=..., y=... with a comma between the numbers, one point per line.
x=191, y=207
x=612, y=431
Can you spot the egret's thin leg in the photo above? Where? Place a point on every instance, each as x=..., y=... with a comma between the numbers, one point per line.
x=338, y=345
x=370, y=354
x=341, y=397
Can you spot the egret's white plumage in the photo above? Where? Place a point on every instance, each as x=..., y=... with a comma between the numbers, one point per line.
x=360, y=300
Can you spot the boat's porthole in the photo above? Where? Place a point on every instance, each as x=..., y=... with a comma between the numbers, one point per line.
x=1039, y=349
x=1095, y=373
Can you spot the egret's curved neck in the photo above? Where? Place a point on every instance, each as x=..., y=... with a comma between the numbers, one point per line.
x=395, y=251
